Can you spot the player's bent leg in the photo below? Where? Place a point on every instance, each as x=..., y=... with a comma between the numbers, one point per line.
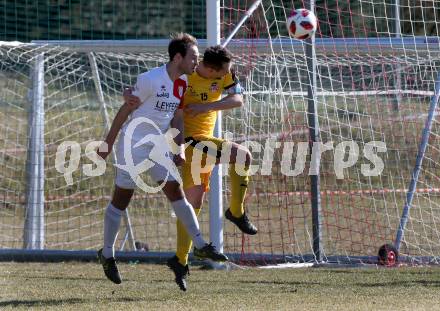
x=112, y=219
x=240, y=161
x=185, y=213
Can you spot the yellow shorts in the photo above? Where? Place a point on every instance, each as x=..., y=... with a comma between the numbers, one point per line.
x=201, y=156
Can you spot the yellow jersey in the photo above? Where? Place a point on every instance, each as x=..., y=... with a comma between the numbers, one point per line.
x=202, y=91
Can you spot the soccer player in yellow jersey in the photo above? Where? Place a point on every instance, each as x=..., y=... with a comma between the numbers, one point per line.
x=202, y=100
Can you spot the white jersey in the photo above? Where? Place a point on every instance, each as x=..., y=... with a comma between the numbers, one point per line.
x=160, y=97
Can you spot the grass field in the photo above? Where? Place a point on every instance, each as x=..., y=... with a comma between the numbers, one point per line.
x=82, y=286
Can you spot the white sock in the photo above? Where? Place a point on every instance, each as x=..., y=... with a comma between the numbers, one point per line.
x=185, y=212
x=112, y=220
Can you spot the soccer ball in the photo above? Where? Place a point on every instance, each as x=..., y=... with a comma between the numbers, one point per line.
x=388, y=255
x=301, y=24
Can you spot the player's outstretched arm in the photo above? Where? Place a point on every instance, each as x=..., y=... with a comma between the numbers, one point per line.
x=119, y=120
x=228, y=102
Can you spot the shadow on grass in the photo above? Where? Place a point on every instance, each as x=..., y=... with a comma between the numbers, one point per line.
x=290, y=283
x=56, y=302
x=262, y=283
x=46, y=277
x=404, y=284
x=42, y=302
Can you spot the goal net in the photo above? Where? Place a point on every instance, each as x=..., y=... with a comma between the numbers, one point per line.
x=374, y=86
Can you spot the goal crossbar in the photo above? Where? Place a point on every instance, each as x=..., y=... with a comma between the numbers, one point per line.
x=324, y=46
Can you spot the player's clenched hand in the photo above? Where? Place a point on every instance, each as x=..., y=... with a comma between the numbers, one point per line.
x=179, y=159
x=196, y=109
x=131, y=100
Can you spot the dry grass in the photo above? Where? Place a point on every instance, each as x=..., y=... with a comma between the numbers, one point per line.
x=82, y=286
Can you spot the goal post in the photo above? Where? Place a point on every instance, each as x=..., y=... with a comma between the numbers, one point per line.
x=216, y=192
x=315, y=139
x=33, y=233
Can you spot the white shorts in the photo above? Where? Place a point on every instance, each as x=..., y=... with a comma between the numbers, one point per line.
x=163, y=169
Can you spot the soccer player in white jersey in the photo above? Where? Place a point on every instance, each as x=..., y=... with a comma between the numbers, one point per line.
x=142, y=147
